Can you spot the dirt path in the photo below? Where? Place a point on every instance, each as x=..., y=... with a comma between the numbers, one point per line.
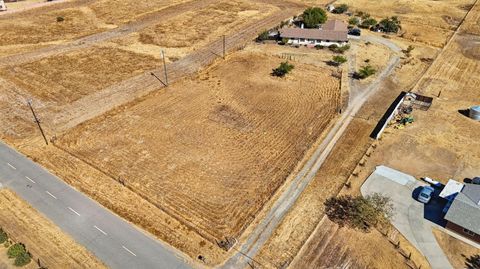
x=277, y=212
x=45, y=6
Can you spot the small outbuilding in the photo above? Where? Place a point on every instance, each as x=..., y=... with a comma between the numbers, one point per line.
x=3, y=7
x=475, y=113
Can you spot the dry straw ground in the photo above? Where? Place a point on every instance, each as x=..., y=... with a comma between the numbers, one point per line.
x=212, y=150
x=425, y=21
x=43, y=239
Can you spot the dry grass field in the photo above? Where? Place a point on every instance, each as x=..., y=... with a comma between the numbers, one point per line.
x=43, y=239
x=212, y=150
x=62, y=79
x=191, y=30
x=443, y=138
x=457, y=251
x=425, y=21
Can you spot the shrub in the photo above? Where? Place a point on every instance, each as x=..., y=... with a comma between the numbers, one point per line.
x=282, y=70
x=365, y=72
x=319, y=47
x=262, y=36
x=338, y=49
x=367, y=23
x=314, y=16
x=22, y=259
x=353, y=21
x=390, y=25
x=340, y=9
x=16, y=250
x=60, y=19
x=338, y=59
x=3, y=236
x=359, y=212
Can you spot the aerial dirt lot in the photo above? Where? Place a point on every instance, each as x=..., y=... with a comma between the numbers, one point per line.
x=425, y=21
x=191, y=30
x=62, y=79
x=224, y=142
x=308, y=211
x=441, y=141
x=42, y=238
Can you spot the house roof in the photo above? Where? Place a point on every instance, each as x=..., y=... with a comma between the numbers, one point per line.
x=472, y=191
x=335, y=25
x=333, y=30
x=464, y=210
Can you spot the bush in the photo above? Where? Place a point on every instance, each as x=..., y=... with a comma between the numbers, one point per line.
x=340, y=9
x=282, y=70
x=319, y=47
x=354, y=21
x=16, y=250
x=60, y=19
x=390, y=25
x=367, y=23
x=338, y=59
x=314, y=16
x=365, y=72
x=262, y=36
x=338, y=49
x=3, y=236
x=359, y=212
x=23, y=259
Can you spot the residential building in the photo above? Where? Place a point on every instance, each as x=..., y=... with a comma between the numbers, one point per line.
x=333, y=32
x=463, y=209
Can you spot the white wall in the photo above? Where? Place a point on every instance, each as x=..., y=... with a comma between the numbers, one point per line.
x=296, y=41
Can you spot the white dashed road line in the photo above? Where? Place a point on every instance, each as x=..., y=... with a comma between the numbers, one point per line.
x=100, y=230
x=11, y=166
x=71, y=209
x=31, y=180
x=129, y=251
x=51, y=194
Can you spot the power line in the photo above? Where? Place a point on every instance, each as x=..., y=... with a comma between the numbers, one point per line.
x=37, y=121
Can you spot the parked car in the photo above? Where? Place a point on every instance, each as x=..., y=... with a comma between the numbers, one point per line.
x=355, y=32
x=426, y=194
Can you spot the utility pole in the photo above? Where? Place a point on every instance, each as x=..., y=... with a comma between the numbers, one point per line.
x=165, y=68
x=224, y=47
x=37, y=121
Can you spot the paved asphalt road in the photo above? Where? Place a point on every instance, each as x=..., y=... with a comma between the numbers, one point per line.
x=409, y=216
x=114, y=241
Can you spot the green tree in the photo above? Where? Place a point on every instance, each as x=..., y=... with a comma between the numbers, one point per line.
x=340, y=9
x=16, y=250
x=3, y=236
x=339, y=59
x=368, y=22
x=354, y=21
x=22, y=259
x=359, y=212
x=282, y=70
x=390, y=25
x=314, y=16
x=365, y=72
x=262, y=36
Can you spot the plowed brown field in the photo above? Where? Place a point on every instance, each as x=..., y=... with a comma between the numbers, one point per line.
x=211, y=151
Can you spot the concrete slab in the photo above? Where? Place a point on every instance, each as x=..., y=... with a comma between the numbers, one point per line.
x=409, y=216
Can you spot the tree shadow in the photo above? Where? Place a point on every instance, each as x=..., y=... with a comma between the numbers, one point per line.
x=472, y=262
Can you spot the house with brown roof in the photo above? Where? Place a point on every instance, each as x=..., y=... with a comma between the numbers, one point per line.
x=333, y=32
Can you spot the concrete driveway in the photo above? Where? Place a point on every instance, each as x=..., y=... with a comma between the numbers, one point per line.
x=411, y=217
